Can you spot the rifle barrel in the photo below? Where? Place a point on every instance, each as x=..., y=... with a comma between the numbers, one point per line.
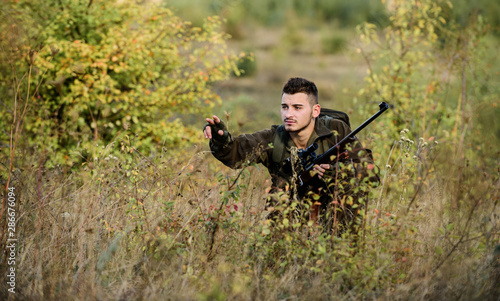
x=325, y=157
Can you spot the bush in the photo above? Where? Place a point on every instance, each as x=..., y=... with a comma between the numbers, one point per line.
x=99, y=69
x=247, y=64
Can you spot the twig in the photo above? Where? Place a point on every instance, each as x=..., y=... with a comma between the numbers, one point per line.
x=419, y=186
x=216, y=220
x=14, y=138
x=461, y=237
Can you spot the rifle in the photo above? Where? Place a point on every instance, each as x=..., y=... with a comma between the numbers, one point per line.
x=308, y=157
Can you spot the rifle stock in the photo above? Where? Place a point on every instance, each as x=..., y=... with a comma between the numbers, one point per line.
x=334, y=154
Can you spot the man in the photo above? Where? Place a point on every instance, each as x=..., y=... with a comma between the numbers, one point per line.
x=301, y=127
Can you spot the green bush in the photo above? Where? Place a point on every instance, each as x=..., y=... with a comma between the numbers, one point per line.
x=94, y=71
x=247, y=64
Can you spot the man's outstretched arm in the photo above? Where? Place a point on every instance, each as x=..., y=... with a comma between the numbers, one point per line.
x=233, y=151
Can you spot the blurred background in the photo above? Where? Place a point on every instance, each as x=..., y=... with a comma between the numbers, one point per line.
x=312, y=39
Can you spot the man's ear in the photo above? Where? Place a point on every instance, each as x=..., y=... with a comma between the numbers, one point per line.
x=316, y=109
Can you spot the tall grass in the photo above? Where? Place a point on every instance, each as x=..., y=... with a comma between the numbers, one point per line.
x=180, y=227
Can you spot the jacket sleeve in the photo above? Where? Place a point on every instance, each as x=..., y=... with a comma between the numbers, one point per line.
x=246, y=148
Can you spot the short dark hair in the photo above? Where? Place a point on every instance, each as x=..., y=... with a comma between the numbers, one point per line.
x=298, y=85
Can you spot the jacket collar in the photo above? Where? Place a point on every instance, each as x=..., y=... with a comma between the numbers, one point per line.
x=321, y=129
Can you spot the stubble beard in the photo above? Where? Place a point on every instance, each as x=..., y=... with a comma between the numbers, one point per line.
x=302, y=128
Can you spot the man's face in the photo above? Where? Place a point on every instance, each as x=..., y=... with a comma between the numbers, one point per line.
x=297, y=113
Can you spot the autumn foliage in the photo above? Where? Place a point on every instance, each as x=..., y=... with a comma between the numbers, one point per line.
x=104, y=69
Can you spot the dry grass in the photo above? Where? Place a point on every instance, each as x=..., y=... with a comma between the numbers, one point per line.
x=141, y=229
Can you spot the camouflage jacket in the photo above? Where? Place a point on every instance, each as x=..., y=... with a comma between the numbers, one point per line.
x=258, y=147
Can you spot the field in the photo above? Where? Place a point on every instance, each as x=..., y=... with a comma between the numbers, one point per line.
x=134, y=218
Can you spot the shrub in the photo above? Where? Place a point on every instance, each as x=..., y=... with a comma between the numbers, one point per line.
x=101, y=69
x=247, y=65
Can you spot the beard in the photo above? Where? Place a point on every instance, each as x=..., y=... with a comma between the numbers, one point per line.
x=302, y=128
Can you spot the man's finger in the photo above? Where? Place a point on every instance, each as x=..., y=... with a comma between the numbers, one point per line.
x=216, y=119
x=320, y=167
x=208, y=132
